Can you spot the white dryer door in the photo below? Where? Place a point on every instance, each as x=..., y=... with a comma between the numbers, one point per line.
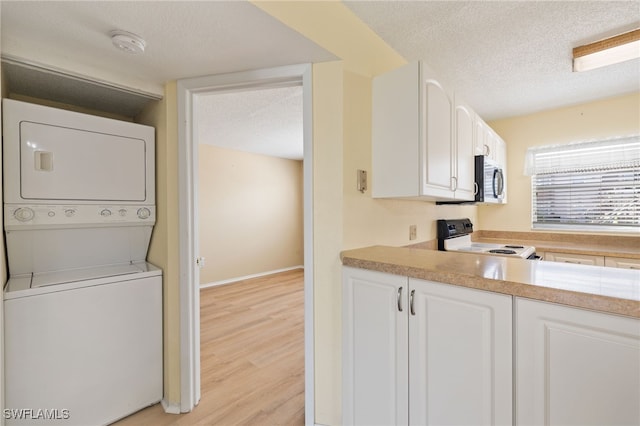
x=59, y=163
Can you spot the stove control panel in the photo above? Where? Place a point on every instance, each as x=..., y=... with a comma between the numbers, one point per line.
x=42, y=216
x=448, y=228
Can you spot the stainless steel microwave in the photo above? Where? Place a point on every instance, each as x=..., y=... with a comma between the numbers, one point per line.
x=489, y=178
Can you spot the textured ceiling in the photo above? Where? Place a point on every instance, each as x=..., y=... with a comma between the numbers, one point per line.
x=184, y=38
x=509, y=58
x=265, y=121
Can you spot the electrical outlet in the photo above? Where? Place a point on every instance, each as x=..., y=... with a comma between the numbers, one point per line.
x=413, y=232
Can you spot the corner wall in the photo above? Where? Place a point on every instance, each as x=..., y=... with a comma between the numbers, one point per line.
x=606, y=118
x=163, y=249
x=327, y=238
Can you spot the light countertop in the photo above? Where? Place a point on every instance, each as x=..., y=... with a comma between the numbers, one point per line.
x=609, y=290
x=589, y=244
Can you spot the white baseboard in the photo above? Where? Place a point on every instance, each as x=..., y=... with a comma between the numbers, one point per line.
x=247, y=277
x=169, y=407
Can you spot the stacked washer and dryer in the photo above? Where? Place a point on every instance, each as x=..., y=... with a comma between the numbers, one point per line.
x=82, y=307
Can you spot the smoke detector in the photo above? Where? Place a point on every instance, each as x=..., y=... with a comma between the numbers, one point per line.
x=128, y=42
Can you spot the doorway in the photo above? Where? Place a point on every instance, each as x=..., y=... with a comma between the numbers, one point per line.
x=250, y=183
x=189, y=244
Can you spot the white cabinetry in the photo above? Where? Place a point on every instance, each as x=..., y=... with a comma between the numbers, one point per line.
x=457, y=342
x=416, y=150
x=588, y=259
x=576, y=367
x=460, y=352
x=483, y=142
x=621, y=262
x=488, y=143
x=375, y=360
x=582, y=259
x=464, y=135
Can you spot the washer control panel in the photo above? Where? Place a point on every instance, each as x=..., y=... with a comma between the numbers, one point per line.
x=76, y=215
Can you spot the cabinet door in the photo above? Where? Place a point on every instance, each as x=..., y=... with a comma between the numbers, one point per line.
x=437, y=156
x=464, y=151
x=395, y=137
x=621, y=262
x=480, y=136
x=576, y=367
x=375, y=368
x=582, y=259
x=460, y=355
x=500, y=150
x=484, y=138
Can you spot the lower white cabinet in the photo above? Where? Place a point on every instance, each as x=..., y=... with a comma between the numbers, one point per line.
x=575, y=367
x=582, y=259
x=621, y=262
x=423, y=353
x=588, y=259
x=375, y=352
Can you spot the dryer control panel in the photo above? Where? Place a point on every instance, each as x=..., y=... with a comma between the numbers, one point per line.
x=34, y=216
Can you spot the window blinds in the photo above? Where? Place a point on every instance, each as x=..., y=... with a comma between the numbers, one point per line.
x=584, y=156
x=593, y=185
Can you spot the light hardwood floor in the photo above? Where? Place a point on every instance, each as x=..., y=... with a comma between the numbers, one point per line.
x=252, y=356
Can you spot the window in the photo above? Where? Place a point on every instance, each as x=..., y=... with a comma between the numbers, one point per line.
x=586, y=186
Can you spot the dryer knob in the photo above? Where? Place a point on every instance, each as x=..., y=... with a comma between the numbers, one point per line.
x=24, y=214
x=144, y=213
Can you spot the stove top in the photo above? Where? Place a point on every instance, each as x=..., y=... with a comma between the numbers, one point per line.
x=455, y=235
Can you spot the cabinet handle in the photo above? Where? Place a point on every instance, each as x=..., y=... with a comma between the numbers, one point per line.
x=400, y=299
x=475, y=188
x=487, y=150
x=413, y=312
x=454, y=183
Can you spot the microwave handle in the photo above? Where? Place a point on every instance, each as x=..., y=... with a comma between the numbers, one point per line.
x=498, y=179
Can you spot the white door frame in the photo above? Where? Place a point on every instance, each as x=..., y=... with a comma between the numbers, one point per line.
x=188, y=219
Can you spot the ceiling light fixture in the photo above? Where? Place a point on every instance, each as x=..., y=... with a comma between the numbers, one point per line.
x=605, y=52
x=128, y=42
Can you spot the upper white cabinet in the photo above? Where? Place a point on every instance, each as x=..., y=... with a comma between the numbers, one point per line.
x=417, y=152
x=576, y=367
x=489, y=143
x=417, y=352
x=483, y=141
x=464, y=135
